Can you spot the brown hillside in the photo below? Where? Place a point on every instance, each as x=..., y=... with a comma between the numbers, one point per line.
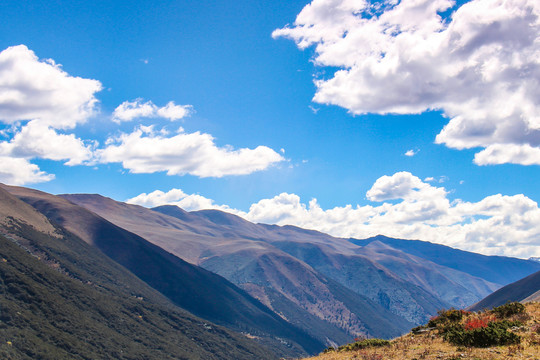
x=429, y=345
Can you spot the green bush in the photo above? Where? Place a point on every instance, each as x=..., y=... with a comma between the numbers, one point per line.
x=445, y=317
x=509, y=309
x=363, y=344
x=494, y=334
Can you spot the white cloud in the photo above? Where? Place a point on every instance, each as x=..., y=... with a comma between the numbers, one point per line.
x=145, y=151
x=41, y=93
x=37, y=140
x=481, y=67
x=411, y=152
x=38, y=98
x=16, y=171
x=502, y=225
x=129, y=110
x=191, y=202
x=508, y=153
x=496, y=225
x=33, y=89
x=402, y=185
x=174, y=112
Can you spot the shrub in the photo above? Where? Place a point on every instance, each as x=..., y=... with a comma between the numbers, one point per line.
x=494, y=334
x=367, y=343
x=480, y=321
x=444, y=317
x=329, y=350
x=509, y=309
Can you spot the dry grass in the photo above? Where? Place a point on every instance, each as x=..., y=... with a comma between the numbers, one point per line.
x=430, y=346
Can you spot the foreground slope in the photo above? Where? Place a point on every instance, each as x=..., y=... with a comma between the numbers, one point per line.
x=61, y=298
x=524, y=290
x=197, y=290
x=519, y=338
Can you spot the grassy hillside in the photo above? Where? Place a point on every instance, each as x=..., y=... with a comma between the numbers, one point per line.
x=473, y=336
x=61, y=299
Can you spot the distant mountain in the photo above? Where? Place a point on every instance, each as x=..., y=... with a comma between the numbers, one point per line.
x=194, y=289
x=496, y=269
x=306, y=276
x=61, y=298
x=524, y=290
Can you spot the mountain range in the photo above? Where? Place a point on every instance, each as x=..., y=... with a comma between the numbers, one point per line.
x=307, y=276
x=294, y=291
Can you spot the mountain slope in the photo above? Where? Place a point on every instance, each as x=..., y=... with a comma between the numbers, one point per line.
x=63, y=299
x=395, y=278
x=526, y=289
x=242, y=253
x=197, y=290
x=496, y=269
x=452, y=286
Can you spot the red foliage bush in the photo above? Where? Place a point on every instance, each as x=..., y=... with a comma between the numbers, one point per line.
x=481, y=321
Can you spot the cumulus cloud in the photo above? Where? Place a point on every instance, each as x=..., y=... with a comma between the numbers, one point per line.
x=31, y=89
x=129, y=110
x=147, y=151
x=44, y=98
x=508, y=153
x=188, y=202
x=495, y=225
x=411, y=152
x=502, y=225
x=173, y=112
x=480, y=67
x=16, y=171
x=402, y=185
x=39, y=102
x=37, y=140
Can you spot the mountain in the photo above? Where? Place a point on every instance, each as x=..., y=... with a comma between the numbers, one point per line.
x=194, y=289
x=500, y=270
x=524, y=290
x=61, y=298
x=306, y=276
x=241, y=252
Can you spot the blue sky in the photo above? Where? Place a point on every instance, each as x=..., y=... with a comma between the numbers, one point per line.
x=246, y=88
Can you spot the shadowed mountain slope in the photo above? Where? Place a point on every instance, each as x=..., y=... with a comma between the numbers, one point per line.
x=61, y=298
x=195, y=289
x=524, y=290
